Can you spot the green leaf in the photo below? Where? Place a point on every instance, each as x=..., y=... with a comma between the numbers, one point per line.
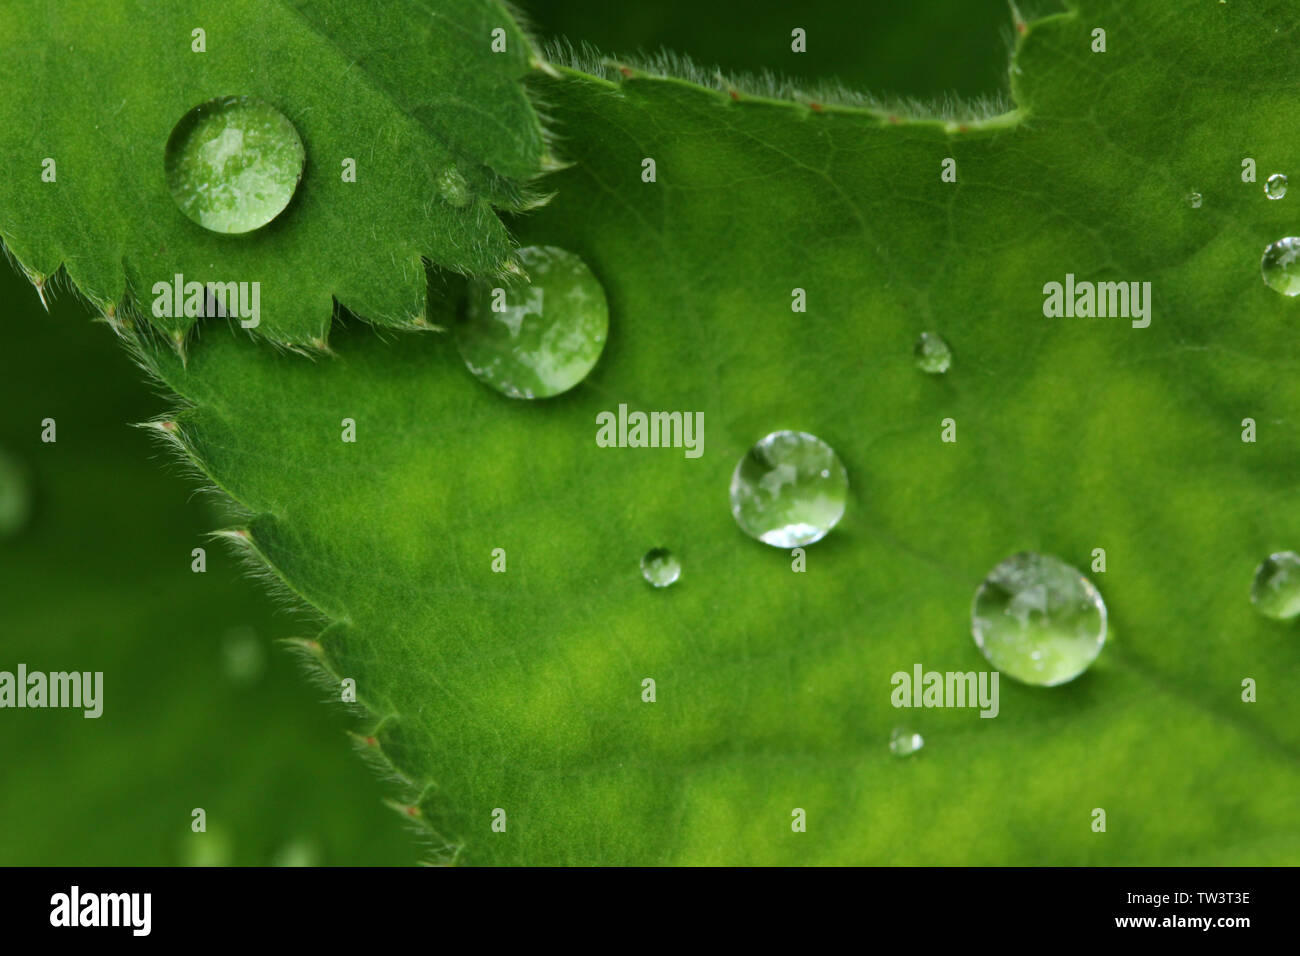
x=521, y=691
x=411, y=91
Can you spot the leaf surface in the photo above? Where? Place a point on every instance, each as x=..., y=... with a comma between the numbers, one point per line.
x=411, y=91
x=521, y=691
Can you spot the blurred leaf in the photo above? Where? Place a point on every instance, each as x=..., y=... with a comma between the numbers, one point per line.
x=98, y=578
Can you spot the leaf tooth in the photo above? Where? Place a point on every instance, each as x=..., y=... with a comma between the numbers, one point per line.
x=410, y=811
x=536, y=202
x=166, y=429
x=1018, y=18
x=539, y=64
x=237, y=536
x=424, y=325
x=308, y=645
x=552, y=164
x=177, y=339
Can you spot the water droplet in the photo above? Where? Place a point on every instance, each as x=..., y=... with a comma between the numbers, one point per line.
x=15, y=496
x=1279, y=266
x=454, y=189
x=1275, y=186
x=544, y=337
x=790, y=489
x=1193, y=200
x=233, y=163
x=1275, y=592
x=932, y=354
x=1038, y=620
x=904, y=742
x=660, y=567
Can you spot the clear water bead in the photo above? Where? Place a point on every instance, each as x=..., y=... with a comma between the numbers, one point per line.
x=540, y=339
x=1038, y=620
x=1275, y=591
x=660, y=567
x=233, y=164
x=1279, y=267
x=904, y=742
x=1275, y=186
x=932, y=354
x=790, y=489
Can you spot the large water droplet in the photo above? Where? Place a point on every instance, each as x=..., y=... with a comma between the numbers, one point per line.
x=233, y=163
x=904, y=742
x=660, y=567
x=1038, y=620
x=932, y=354
x=15, y=496
x=540, y=339
x=1279, y=266
x=1275, y=592
x=790, y=489
x=1193, y=199
x=1275, y=186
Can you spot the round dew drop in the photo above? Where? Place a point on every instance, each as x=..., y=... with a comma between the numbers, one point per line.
x=1275, y=591
x=790, y=489
x=233, y=164
x=932, y=354
x=1275, y=186
x=1038, y=620
x=904, y=742
x=540, y=339
x=660, y=567
x=1279, y=267
x=1193, y=200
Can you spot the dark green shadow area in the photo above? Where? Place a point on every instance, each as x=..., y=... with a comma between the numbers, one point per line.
x=201, y=708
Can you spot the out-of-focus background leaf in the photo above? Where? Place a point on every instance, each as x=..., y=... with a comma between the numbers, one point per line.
x=201, y=708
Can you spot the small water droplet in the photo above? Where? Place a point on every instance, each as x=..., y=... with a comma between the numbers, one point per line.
x=904, y=742
x=932, y=354
x=1038, y=620
x=1275, y=186
x=453, y=188
x=1275, y=592
x=15, y=496
x=1193, y=199
x=548, y=334
x=233, y=163
x=1278, y=266
x=790, y=489
x=660, y=567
